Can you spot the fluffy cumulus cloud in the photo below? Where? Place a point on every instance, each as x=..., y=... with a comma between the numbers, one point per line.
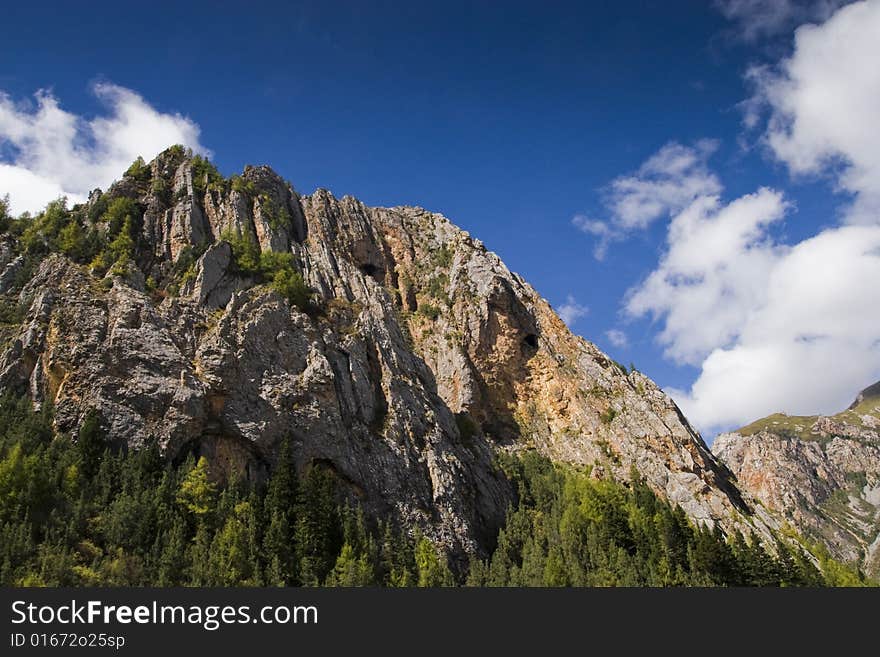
x=571, y=311
x=823, y=103
x=667, y=182
x=756, y=19
x=49, y=152
x=808, y=346
x=771, y=327
x=784, y=327
x=713, y=274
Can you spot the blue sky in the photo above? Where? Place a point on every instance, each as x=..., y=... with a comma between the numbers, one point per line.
x=511, y=120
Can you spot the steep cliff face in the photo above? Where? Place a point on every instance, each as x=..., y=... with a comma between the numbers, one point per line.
x=820, y=474
x=420, y=357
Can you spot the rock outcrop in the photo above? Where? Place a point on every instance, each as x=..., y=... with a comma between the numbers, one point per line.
x=819, y=474
x=422, y=357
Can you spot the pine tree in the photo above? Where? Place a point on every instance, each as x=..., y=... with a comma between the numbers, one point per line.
x=279, y=504
x=317, y=531
x=232, y=561
x=555, y=572
x=91, y=444
x=351, y=569
x=396, y=558
x=431, y=569
x=173, y=562
x=478, y=573
x=197, y=493
x=278, y=551
x=199, y=558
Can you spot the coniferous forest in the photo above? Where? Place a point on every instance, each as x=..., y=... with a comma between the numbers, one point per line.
x=78, y=513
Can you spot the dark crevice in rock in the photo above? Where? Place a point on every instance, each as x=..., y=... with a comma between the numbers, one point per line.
x=410, y=301
x=380, y=403
x=370, y=270
x=340, y=362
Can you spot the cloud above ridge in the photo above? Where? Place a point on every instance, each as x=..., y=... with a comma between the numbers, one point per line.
x=571, y=311
x=46, y=151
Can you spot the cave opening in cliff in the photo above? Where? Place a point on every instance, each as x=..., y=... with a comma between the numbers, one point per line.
x=372, y=271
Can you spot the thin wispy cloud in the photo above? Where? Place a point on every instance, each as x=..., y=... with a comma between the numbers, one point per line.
x=571, y=311
x=617, y=338
x=49, y=152
x=601, y=230
x=665, y=183
x=757, y=19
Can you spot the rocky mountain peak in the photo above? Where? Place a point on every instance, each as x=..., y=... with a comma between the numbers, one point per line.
x=222, y=316
x=872, y=392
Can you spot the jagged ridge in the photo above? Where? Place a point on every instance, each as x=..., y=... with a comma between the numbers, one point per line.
x=422, y=357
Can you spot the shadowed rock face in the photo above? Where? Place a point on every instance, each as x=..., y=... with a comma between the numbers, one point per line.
x=820, y=474
x=426, y=357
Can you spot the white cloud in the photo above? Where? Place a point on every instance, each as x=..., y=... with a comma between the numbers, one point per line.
x=712, y=275
x=617, y=338
x=665, y=183
x=30, y=191
x=776, y=327
x=809, y=347
x=668, y=181
x=53, y=152
x=756, y=19
x=823, y=104
x=571, y=311
x=599, y=229
x=771, y=327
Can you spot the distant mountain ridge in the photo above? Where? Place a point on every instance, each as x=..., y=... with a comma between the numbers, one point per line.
x=871, y=392
x=819, y=473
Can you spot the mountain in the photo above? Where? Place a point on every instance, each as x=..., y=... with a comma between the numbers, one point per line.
x=218, y=317
x=819, y=474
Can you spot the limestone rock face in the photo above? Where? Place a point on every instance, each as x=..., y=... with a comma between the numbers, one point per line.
x=11, y=266
x=213, y=284
x=820, y=474
x=422, y=358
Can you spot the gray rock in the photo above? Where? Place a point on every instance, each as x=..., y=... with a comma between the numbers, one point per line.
x=214, y=283
x=821, y=475
x=10, y=271
x=427, y=358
